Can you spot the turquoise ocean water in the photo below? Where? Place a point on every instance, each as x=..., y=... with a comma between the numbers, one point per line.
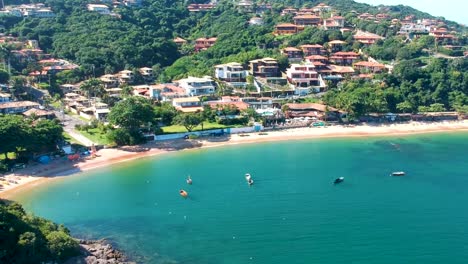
x=292, y=214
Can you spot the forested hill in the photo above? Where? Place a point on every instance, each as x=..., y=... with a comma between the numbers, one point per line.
x=25, y=238
x=142, y=36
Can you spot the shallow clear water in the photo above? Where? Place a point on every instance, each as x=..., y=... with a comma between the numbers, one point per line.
x=292, y=214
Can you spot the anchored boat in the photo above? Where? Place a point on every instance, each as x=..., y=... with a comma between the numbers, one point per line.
x=338, y=180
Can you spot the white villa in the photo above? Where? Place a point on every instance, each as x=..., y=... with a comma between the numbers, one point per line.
x=303, y=78
x=195, y=86
x=101, y=9
x=233, y=73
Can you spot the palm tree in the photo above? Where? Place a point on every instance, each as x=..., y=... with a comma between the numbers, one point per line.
x=93, y=88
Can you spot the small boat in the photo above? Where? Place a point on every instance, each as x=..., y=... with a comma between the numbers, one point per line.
x=338, y=180
x=250, y=181
x=189, y=180
x=183, y=193
x=248, y=177
x=398, y=173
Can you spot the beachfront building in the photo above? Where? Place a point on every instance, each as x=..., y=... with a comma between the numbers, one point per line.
x=187, y=104
x=264, y=68
x=17, y=107
x=293, y=54
x=313, y=111
x=232, y=73
x=304, y=79
x=231, y=101
x=287, y=29
x=195, y=86
x=309, y=49
x=258, y=102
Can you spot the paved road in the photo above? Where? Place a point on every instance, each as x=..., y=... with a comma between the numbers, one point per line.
x=69, y=122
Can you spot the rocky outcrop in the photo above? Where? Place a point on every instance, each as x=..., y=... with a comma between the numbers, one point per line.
x=99, y=252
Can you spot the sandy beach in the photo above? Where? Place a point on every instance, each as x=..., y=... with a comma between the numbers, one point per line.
x=26, y=179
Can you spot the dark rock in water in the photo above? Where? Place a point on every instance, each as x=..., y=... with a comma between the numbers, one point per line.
x=98, y=252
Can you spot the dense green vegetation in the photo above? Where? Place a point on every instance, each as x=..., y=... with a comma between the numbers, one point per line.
x=142, y=36
x=25, y=238
x=26, y=137
x=440, y=85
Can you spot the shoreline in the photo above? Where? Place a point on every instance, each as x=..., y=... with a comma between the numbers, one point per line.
x=31, y=177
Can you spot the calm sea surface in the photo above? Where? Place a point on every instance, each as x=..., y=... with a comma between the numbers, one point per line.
x=292, y=214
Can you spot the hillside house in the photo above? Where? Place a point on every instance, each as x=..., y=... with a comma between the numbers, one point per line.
x=366, y=38
x=336, y=45
x=232, y=73
x=369, y=67
x=304, y=79
x=17, y=107
x=147, y=74
x=166, y=92
x=99, y=8
x=195, y=86
x=309, y=49
x=344, y=58
x=292, y=53
x=204, y=43
x=307, y=20
x=287, y=29
x=264, y=68
x=333, y=23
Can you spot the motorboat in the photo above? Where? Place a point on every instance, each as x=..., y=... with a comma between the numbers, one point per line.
x=338, y=180
x=183, y=193
x=398, y=173
x=248, y=177
x=189, y=180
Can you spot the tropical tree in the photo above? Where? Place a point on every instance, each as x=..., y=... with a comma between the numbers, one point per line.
x=189, y=120
x=132, y=113
x=93, y=87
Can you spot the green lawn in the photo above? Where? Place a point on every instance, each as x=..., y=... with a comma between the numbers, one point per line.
x=68, y=138
x=96, y=135
x=181, y=129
